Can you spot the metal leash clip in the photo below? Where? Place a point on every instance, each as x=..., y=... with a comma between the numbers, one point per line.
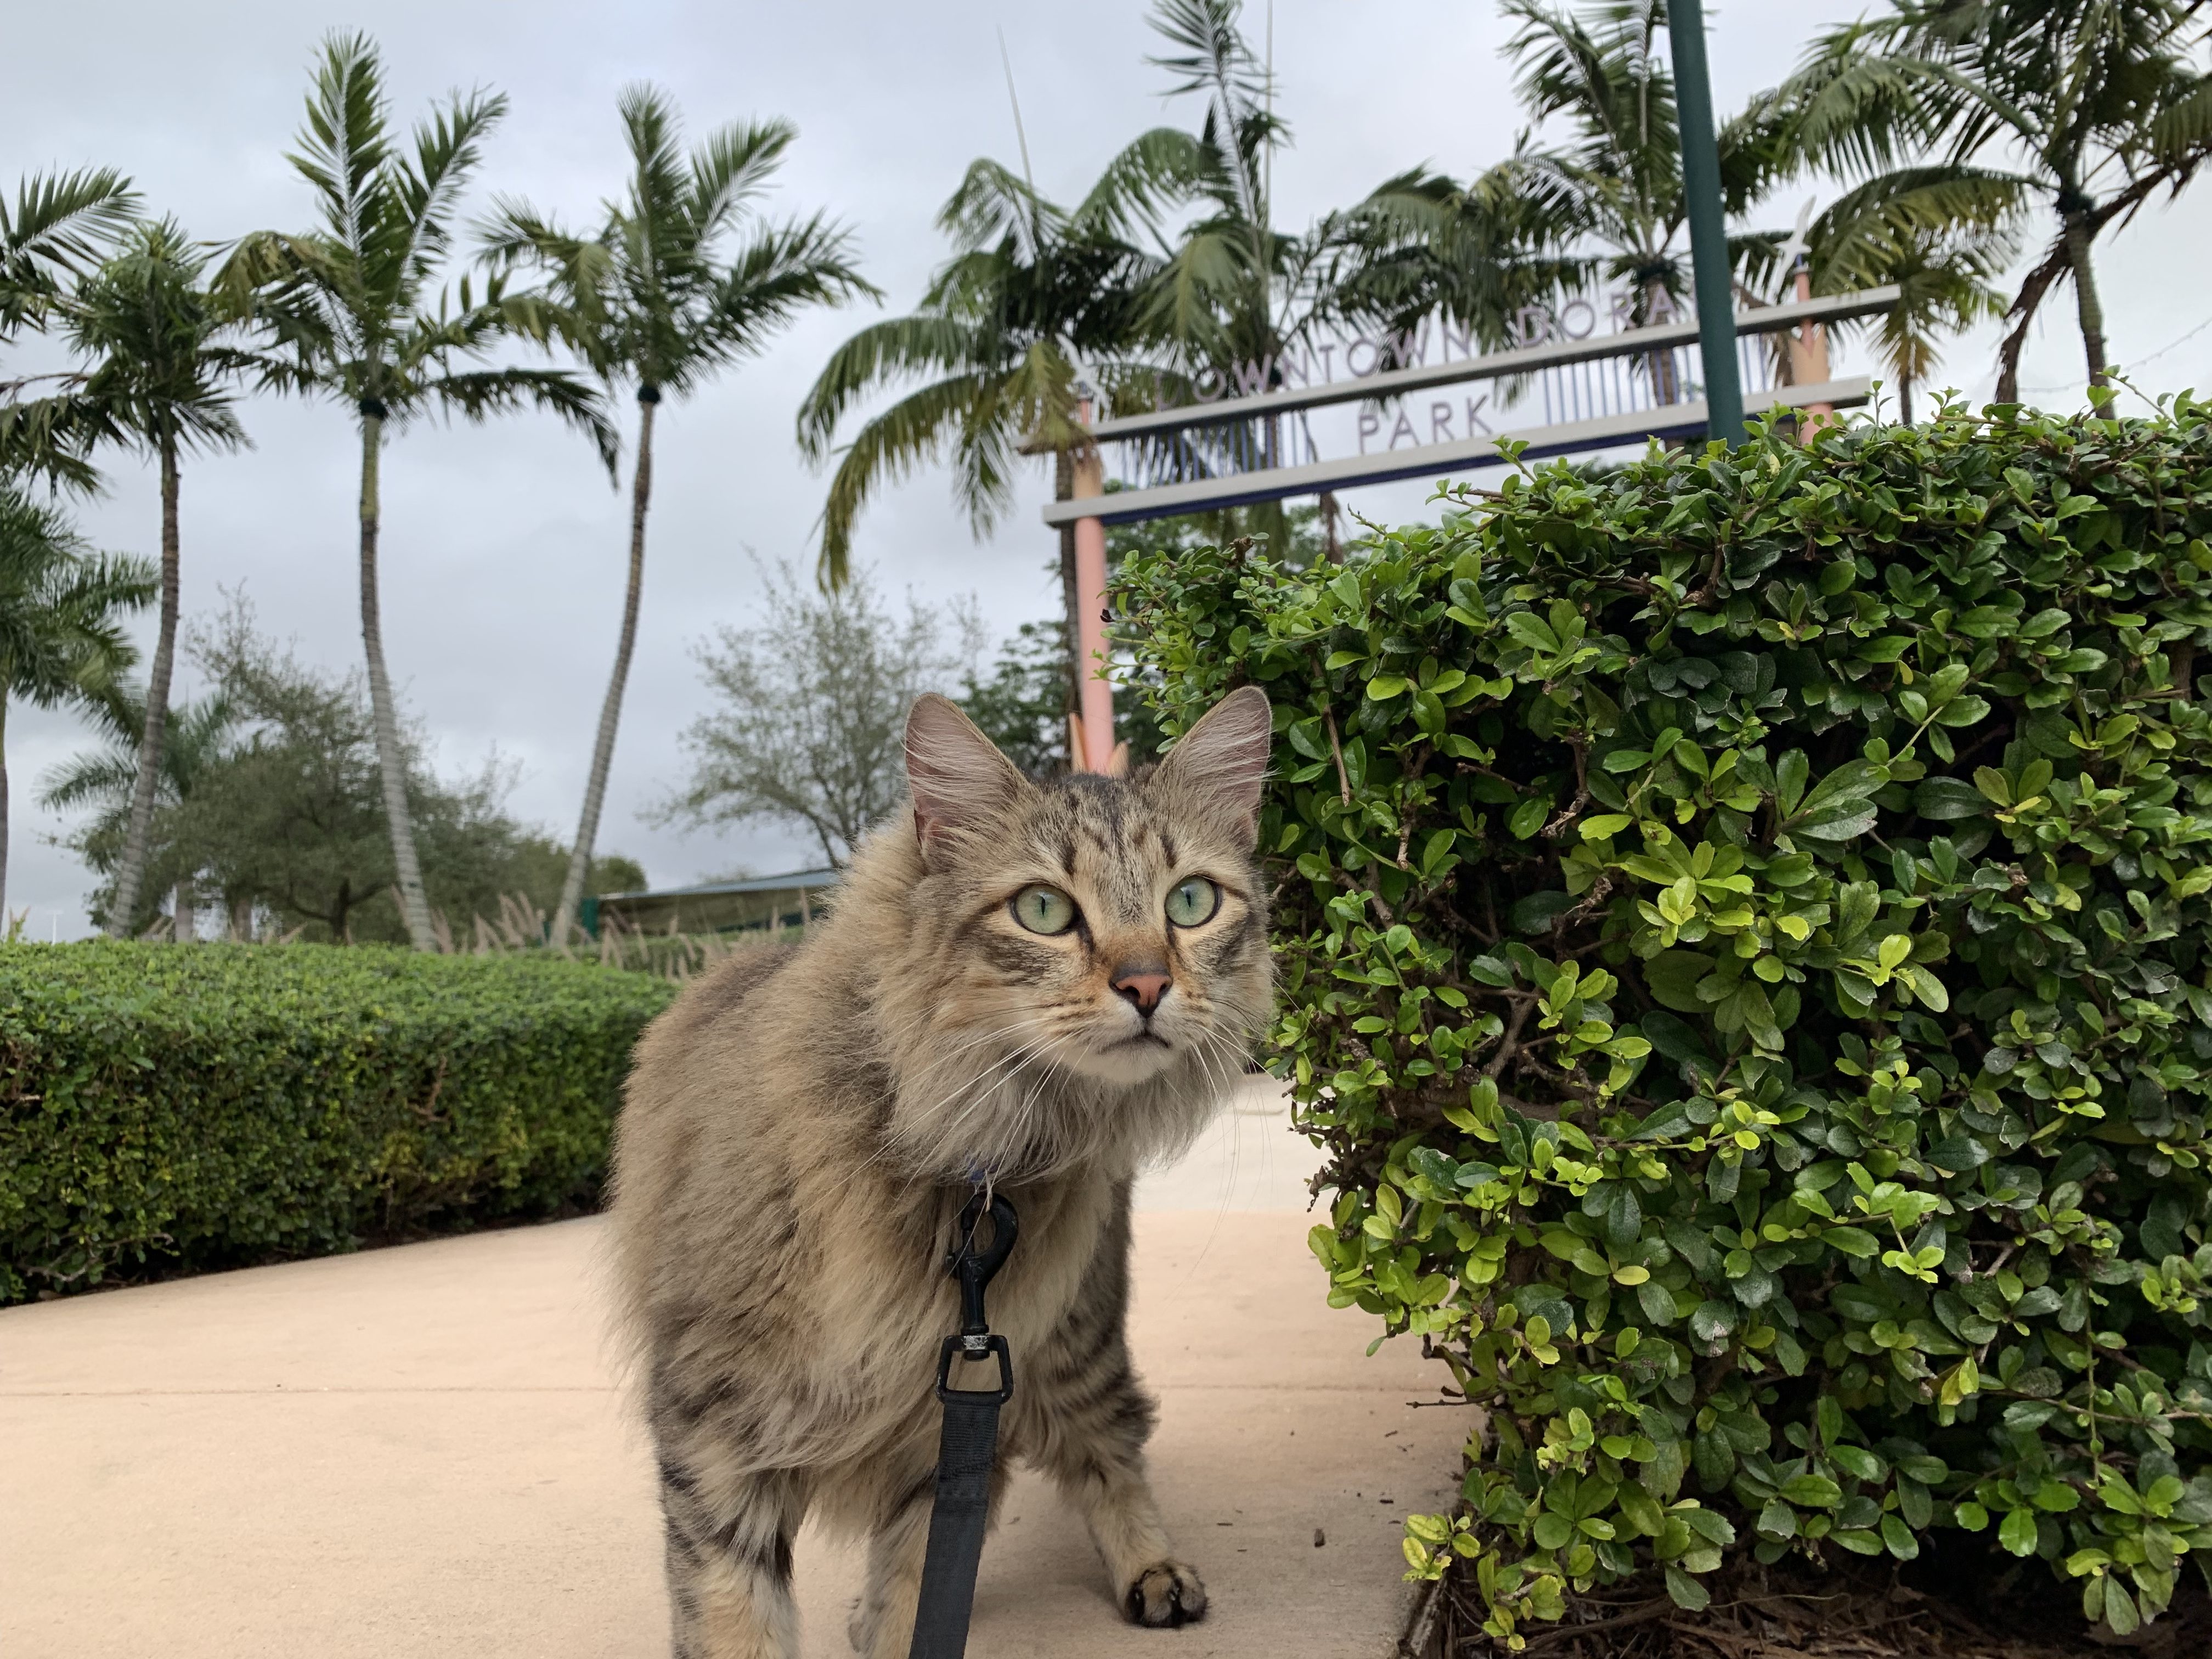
x=975, y=1268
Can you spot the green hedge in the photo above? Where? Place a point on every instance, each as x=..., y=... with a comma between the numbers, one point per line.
x=1744, y=924
x=170, y=1108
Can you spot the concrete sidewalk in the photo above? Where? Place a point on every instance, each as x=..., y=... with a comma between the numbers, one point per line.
x=425, y=1451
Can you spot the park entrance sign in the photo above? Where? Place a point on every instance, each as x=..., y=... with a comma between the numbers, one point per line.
x=1570, y=390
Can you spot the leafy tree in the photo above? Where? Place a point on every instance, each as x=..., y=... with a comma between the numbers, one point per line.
x=105, y=781
x=347, y=302
x=287, y=818
x=161, y=364
x=809, y=729
x=2086, y=109
x=61, y=635
x=660, y=299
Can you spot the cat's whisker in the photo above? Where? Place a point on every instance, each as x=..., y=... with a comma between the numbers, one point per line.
x=947, y=1133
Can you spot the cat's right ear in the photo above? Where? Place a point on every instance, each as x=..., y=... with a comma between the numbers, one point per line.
x=958, y=777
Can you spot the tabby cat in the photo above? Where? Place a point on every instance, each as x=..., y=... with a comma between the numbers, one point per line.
x=1043, y=985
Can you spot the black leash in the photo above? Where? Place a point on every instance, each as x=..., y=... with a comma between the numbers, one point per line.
x=966, y=1443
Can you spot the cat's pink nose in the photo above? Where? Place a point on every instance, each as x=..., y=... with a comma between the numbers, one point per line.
x=1144, y=986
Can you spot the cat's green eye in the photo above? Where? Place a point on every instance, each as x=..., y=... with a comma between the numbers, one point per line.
x=1044, y=909
x=1194, y=902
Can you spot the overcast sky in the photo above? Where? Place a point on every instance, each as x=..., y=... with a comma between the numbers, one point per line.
x=503, y=547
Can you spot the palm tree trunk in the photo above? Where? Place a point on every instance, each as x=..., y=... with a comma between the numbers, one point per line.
x=1665, y=388
x=2090, y=307
x=131, y=872
x=415, y=908
x=185, y=918
x=603, y=749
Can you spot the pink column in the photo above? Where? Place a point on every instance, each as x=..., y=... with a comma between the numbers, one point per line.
x=1809, y=357
x=1097, y=697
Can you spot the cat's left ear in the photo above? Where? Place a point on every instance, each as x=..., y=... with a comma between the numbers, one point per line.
x=1222, y=762
x=958, y=777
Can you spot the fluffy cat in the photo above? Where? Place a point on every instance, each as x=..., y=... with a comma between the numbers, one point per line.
x=1048, y=983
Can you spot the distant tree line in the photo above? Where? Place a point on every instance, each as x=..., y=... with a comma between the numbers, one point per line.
x=268, y=819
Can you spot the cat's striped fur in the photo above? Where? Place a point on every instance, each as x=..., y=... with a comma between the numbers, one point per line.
x=800, y=1134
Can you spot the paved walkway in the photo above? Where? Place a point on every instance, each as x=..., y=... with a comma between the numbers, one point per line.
x=424, y=1451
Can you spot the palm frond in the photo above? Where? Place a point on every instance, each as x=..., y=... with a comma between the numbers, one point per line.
x=732, y=168
x=1215, y=60
x=652, y=133
x=1154, y=174
x=479, y=394
x=992, y=206
x=1214, y=57
x=53, y=438
x=61, y=635
x=427, y=187
x=780, y=272
x=346, y=141
x=60, y=223
x=2180, y=135
x=882, y=354
x=892, y=445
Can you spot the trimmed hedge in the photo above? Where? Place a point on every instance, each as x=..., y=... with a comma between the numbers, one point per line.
x=1745, y=921
x=182, y=1108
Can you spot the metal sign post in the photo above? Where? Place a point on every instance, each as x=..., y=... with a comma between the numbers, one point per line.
x=1701, y=190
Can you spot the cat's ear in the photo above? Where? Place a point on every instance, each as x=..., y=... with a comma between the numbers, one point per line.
x=958, y=777
x=1221, y=762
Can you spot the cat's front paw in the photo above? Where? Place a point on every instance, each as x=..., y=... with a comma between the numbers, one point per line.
x=1165, y=1596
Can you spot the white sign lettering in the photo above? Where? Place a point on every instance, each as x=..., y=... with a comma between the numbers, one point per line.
x=1316, y=362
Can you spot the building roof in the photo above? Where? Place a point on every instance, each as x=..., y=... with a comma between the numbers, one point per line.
x=786, y=883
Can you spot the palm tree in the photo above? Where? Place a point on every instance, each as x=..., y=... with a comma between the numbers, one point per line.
x=59, y=225
x=60, y=638
x=346, y=301
x=1424, y=246
x=1229, y=280
x=1608, y=205
x=2088, y=108
x=1034, y=299
x=159, y=380
x=107, y=780
x=1169, y=270
x=657, y=299
x=1554, y=220
x=1943, y=242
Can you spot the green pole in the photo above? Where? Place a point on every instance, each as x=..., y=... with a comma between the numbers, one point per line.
x=1701, y=191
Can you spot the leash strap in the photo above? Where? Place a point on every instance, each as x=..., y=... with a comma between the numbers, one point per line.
x=967, y=1442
